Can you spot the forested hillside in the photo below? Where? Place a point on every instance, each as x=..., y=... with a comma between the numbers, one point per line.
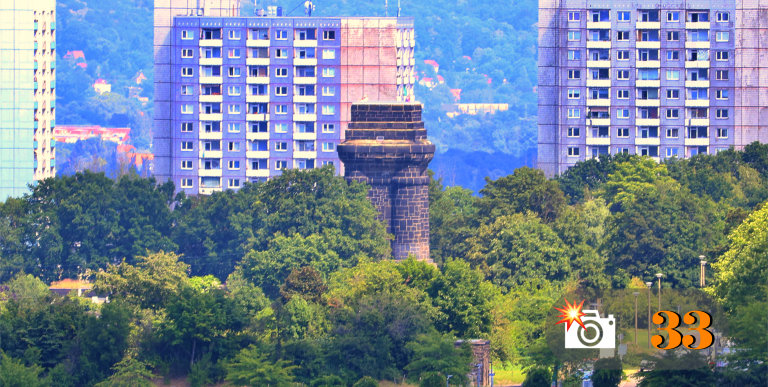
x=311, y=297
x=487, y=49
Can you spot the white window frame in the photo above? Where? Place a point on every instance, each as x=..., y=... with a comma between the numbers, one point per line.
x=234, y=90
x=187, y=53
x=622, y=94
x=722, y=36
x=668, y=133
x=187, y=146
x=673, y=114
x=328, y=110
x=234, y=72
x=281, y=74
x=574, y=113
x=329, y=53
x=574, y=93
x=281, y=34
x=619, y=15
x=235, y=35
x=622, y=132
x=185, y=182
x=186, y=164
x=573, y=132
x=329, y=72
x=281, y=164
x=722, y=132
x=327, y=33
x=234, y=108
x=280, y=127
x=187, y=108
x=722, y=55
x=622, y=113
x=722, y=17
x=329, y=147
x=620, y=72
x=233, y=165
x=329, y=128
x=234, y=53
x=281, y=90
x=619, y=55
x=234, y=127
x=673, y=75
x=328, y=91
x=572, y=54
x=187, y=35
x=574, y=16
x=574, y=151
x=574, y=36
x=187, y=72
x=673, y=16
x=281, y=109
x=673, y=93
x=187, y=127
x=281, y=146
x=721, y=114
x=187, y=90
x=719, y=94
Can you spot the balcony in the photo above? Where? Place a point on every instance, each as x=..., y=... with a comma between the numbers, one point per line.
x=305, y=98
x=304, y=80
x=697, y=84
x=305, y=62
x=257, y=136
x=697, y=64
x=257, y=43
x=305, y=43
x=209, y=80
x=209, y=172
x=647, y=141
x=696, y=103
x=256, y=80
x=257, y=98
x=647, y=102
x=697, y=25
x=257, y=61
x=598, y=141
x=647, y=83
x=599, y=63
x=304, y=117
x=599, y=44
x=698, y=45
x=209, y=190
x=210, y=61
x=598, y=25
x=257, y=172
x=257, y=154
x=648, y=25
x=210, y=43
x=210, y=135
x=697, y=122
x=210, y=154
x=256, y=117
x=697, y=141
x=211, y=98
x=210, y=117
x=598, y=83
x=647, y=122
x=648, y=44
x=599, y=102
x=304, y=136
x=598, y=121
x=648, y=64
x=304, y=154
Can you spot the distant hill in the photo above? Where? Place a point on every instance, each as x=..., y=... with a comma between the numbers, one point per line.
x=486, y=49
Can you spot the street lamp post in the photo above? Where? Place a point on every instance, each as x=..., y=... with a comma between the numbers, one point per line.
x=702, y=272
x=659, y=275
x=649, y=284
x=447, y=380
x=635, y=294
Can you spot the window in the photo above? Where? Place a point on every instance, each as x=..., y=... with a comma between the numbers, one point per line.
x=623, y=16
x=622, y=94
x=187, y=53
x=574, y=36
x=573, y=132
x=187, y=35
x=673, y=93
x=622, y=35
x=187, y=108
x=233, y=127
x=234, y=53
x=234, y=183
x=673, y=36
x=574, y=74
x=573, y=151
x=722, y=133
x=187, y=90
x=722, y=36
x=329, y=53
x=234, y=72
x=186, y=127
x=673, y=55
x=281, y=72
x=186, y=183
x=281, y=109
x=281, y=53
x=622, y=55
x=329, y=72
x=721, y=55
x=186, y=145
x=673, y=75
x=329, y=35
x=281, y=34
x=186, y=164
x=329, y=91
x=281, y=128
x=234, y=90
x=721, y=75
x=186, y=71
x=234, y=109
x=574, y=16
x=673, y=16
x=329, y=128
x=329, y=110
x=622, y=74
x=673, y=113
x=722, y=17
x=721, y=94
x=281, y=146
x=574, y=113
x=281, y=164
x=281, y=90
x=211, y=126
x=574, y=54
x=233, y=164
x=698, y=35
x=234, y=34
x=622, y=113
x=672, y=133
x=573, y=94
x=329, y=146
x=721, y=113
x=672, y=152
x=622, y=132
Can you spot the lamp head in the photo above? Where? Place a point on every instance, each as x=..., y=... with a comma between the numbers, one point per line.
x=659, y=275
x=649, y=284
x=635, y=293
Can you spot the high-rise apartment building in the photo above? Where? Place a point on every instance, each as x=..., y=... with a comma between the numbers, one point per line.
x=660, y=79
x=246, y=97
x=27, y=93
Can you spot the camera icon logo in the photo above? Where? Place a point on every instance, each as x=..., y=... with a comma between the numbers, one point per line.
x=596, y=332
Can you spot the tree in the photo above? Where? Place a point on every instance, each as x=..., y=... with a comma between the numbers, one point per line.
x=13, y=373
x=432, y=379
x=436, y=353
x=525, y=190
x=304, y=282
x=250, y=367
x=366, y=381
x=129, y=372
x=537, y=377
x=607, y=373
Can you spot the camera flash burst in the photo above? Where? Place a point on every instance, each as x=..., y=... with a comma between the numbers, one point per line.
x=570, y=313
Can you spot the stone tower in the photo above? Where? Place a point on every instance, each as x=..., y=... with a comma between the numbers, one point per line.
x=386, y=146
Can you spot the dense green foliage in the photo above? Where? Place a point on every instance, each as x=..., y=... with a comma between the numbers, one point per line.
x=287, y=281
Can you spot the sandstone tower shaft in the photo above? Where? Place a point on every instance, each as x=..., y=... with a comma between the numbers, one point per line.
x=386, y=146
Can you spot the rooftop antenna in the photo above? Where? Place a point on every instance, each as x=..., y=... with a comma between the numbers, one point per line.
x=386, y=8
x=398, y=8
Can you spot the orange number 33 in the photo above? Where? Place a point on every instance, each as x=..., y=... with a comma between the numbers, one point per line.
x=675, y=338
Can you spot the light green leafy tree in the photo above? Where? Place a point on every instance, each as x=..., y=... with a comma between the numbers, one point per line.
x=251, y=367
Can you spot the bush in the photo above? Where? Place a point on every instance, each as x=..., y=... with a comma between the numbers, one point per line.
x=432, y=379
x=328, y=381
x=607, y=373
x=366, y=381
x=538, y=377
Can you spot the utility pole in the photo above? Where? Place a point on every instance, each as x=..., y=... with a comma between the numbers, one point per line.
x=649, y=284
x=636, y=294
x=659, y=275
x=702, y=272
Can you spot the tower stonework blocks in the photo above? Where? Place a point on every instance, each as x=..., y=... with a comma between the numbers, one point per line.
x=386, y=147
